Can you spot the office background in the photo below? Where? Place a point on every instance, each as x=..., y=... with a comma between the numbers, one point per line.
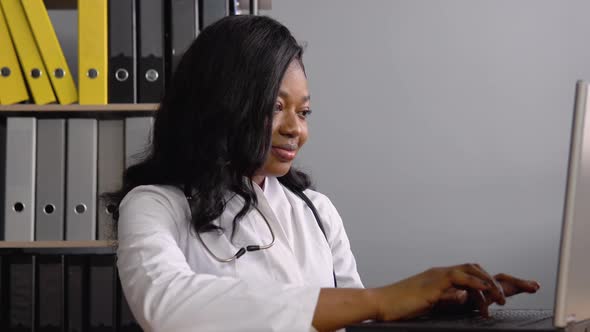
x=440, y=128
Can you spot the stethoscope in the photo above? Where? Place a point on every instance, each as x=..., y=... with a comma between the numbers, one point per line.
x=248, y=248
x=245, y=249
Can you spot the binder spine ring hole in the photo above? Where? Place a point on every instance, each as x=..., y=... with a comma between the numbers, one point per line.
x=35, y=73
x=5, y=71
x=18, y=207
x=59, y=73
x=121, y=75
x=110, y=209
x=92, y=73
x=151, y=75
x=49, y=209
x=80, y=208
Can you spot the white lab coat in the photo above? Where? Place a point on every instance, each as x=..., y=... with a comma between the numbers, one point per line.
x=172, y=284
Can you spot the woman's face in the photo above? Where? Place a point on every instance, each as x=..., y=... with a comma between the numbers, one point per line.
x=289, y=125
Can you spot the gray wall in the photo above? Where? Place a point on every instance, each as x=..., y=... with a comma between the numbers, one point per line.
x=440, y=128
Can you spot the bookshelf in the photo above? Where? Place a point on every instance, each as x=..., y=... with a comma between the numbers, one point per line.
x=106, y=111
x=114, y=111
x=120, y=112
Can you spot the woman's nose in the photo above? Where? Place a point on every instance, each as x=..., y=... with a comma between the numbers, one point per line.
x=290, y=124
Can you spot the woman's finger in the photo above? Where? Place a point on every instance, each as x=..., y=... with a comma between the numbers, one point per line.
x=478, y=299
x=453, y=301
x=454, y=296
x=462, y=280
x=496, y=291
x=512, y=285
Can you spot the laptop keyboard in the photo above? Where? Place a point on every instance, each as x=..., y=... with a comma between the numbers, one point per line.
x=520, y=317
x=511, y=317
x=498, y=318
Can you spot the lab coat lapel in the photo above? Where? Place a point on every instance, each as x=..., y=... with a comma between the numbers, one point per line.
x=289, y=270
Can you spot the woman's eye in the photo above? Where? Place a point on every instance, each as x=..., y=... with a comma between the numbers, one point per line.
x=278, y=107
x=304, y=114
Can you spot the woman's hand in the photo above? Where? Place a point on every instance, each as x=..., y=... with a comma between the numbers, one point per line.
x=464, y=287
x=418, y=294
x=460, y=300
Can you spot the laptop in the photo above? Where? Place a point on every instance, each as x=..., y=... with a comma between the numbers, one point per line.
x=572, y=300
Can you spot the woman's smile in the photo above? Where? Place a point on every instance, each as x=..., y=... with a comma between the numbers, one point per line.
x=283, y=155
x=284, y=152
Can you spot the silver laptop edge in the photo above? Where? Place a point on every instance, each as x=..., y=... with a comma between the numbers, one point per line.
x=572, y=299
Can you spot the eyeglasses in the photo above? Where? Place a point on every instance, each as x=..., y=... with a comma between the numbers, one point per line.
x=245, y=249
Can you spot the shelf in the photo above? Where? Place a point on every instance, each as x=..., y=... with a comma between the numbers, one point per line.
x=109, y=111
x=57, y=244
x=78, y=108
x=73, y=4
x=58, y=248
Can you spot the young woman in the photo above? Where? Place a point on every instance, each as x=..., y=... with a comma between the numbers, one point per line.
x=214, y=230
